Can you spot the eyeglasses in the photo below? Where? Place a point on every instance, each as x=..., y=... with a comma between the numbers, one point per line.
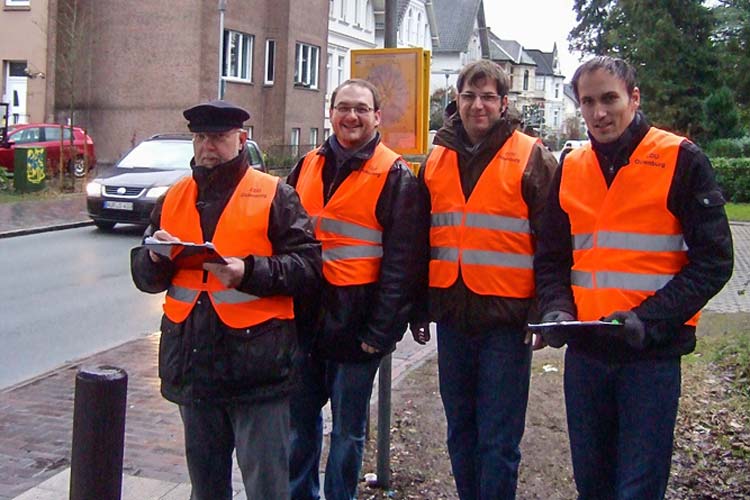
x=215, y=138
x=486, y=98
x=359, y=110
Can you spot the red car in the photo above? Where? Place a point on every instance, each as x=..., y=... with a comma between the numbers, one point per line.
x=47, y=136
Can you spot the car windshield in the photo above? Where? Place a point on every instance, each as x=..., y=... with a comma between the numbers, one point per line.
x=161, y=155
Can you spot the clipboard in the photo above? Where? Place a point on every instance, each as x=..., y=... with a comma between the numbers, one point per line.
x=185, y=254
x=575, y=325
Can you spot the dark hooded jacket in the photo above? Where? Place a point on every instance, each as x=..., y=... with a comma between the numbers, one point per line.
x=458, y=306
x=202, y=360
x=335, y=320
x=696, y=201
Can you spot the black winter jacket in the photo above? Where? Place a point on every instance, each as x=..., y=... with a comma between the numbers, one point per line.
x=202, y=360
x=337, y=319
x=695, y=200
x=456, y=305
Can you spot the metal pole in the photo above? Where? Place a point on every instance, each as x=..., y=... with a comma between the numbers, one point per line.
x=384, y=380
x=222, y=8
x=98, y=433
x=447, y=76
x=384, y=423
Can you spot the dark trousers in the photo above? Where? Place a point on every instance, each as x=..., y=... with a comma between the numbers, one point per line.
x=260, y=434
x=348, y=386
x=484, y=384
x=621, y=419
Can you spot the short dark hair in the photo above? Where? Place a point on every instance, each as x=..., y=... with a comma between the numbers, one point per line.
x=359, y=82
x=614, y=65
x=484, y=69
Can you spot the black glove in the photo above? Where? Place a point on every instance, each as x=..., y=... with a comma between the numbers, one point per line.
x=556, y=337
x=633, y=331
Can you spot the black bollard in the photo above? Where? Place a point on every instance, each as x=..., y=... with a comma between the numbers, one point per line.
x=98, y=433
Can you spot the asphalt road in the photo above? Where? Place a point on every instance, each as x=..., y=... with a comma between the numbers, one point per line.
x=65, y=295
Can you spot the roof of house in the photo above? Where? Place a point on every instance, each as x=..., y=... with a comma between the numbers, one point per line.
x=545, y=62
x=508, y=50
x=455, y=23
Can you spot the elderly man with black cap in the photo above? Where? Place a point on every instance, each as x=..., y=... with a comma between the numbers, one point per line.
x=228, y=335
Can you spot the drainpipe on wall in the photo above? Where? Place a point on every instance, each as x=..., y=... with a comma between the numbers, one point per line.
x=222, y=8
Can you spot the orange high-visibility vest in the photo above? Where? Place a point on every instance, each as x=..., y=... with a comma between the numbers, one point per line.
x=347, y=227
x=488, y=237
x=242, y=230
x=626, y=243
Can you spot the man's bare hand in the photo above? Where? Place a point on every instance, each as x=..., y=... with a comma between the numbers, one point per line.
x=420, y=332
x=230, y=274
x=368, y=348
x=161, y=235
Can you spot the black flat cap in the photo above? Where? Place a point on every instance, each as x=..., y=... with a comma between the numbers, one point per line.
x=215, y=116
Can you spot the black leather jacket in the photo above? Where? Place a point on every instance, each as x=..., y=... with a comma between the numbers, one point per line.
x=202, y=360
x=696, y=201
x=337, y=319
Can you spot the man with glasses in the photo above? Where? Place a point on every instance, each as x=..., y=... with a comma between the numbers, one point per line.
x=228, y=336
x=364, y=201
x=485, y=184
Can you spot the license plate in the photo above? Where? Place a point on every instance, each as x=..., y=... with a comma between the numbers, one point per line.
x=119, y=205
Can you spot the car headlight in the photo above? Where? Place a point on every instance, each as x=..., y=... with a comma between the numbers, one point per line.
x=155, y=192
x=94, y=189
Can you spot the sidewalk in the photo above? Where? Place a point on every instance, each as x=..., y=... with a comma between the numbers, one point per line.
x=36, y=416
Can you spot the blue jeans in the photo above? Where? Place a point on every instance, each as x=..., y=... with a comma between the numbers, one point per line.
x=484, y=384
x=260, y=434
x=621, y=419
x=348, y=386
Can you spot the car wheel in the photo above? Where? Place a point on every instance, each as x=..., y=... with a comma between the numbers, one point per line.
x=104, y=225
x=79, y=167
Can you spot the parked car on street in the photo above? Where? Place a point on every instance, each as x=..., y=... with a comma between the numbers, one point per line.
x=47, y=136
x=127, y=192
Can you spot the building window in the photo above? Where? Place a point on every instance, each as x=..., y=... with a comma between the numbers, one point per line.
x=330, y=9
x=357, y=13
x=557, y=90
x=326, y=133
x=250, y=132
x=526, y=80
x=306, y=66
x=313, y=136
x=342, y=13
x=340, y=70
x=17, y=3
x=295, y=141
x=556, y=119
x=270, y=62
x=539, y=83
x=238, y=55
x=329, y=70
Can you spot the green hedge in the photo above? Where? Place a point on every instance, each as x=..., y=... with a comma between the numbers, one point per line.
x=733, y=176
x=729, y=148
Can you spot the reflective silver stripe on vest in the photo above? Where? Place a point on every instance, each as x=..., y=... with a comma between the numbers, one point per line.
x=622, y=281
x=583, y=241
x=640, y=241
x=351, y=230
x=489, y=258
x=582, y=279
x=444, y=253
x=182, y=294
x=352, y=252
x=446, y=219
x=498, y=223
x=232, y=297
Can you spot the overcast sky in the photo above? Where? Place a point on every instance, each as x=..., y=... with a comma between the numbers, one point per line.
x=535, y=24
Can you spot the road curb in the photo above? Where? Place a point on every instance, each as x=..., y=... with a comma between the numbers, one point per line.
x=45, y=229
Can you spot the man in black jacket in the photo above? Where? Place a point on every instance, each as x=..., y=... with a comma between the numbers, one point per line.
x=486, y=185
x=635, y=233
x=228, y=335
x=364, y=202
